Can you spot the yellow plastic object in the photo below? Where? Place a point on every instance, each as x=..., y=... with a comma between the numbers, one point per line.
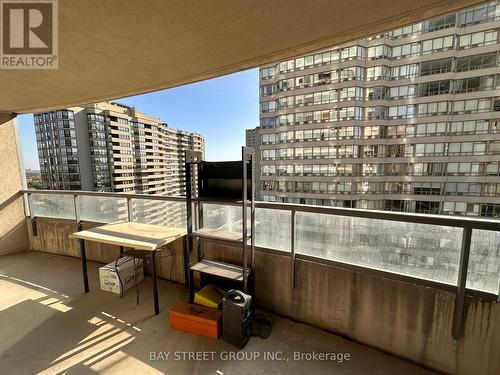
x=209, y=296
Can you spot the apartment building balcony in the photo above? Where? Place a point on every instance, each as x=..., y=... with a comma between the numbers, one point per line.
x=398, y=292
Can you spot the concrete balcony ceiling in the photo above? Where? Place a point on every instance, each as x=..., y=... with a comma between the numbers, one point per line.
x=109, y=50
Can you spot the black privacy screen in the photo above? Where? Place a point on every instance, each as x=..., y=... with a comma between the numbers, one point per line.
x=223, y=180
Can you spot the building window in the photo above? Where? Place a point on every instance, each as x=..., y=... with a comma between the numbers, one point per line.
x=269, y=106
x=482, y=13
x=440, y=23
x=481, y=38
x=407, y=31
x=434, y=88
x=266, y=90
x=406, y=50
x=379, y=52
x=404, y=71
x=437, y=44
x=378, y=72
x=267, y=72
x=402, y=111
x=475, y=62
x=494, y=148
x=470, y=106
x=435, y=67
x=466, y=85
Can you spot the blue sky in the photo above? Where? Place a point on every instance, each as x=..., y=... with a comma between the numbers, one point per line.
x=220, y=109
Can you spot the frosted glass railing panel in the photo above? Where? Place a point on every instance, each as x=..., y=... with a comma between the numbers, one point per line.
x=103, y=209
x=419, y=250
x=484, y=261
x=272, y=228
x=150, y=211
x=51, y=205
x=216, y=216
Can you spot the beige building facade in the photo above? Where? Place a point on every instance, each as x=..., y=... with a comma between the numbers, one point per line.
x=404, y=121
x=112, y=147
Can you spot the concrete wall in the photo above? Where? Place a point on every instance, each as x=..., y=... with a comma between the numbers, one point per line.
x=406, y=320
x=13, y=234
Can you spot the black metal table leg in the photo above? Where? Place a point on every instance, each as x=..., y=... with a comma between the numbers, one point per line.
x=155, y=283
x=186, y=261
x=191, y=286
x=84, y=266
x=121, y=251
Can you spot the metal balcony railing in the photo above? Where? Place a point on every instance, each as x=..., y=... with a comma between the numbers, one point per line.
x=457, y=254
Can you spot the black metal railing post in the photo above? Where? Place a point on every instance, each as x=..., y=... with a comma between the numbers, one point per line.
x=459, y=310
x=292, y=248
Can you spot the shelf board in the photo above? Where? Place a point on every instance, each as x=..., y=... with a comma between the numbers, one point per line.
x=220, y=200
x=220, y=269
x=218, y=234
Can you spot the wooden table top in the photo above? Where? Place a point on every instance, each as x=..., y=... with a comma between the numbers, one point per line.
x=138, y=236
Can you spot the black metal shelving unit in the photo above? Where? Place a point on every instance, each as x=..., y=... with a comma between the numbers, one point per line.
x=206, y=182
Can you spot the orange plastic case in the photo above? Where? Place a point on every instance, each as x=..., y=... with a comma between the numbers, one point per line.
x=196, y=319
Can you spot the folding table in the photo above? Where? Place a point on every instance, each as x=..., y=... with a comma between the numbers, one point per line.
x=143, y=237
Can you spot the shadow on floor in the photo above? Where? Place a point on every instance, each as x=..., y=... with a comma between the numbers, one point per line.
x=50, y=327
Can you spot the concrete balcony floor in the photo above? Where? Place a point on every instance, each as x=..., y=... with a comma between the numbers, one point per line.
x=49, y=326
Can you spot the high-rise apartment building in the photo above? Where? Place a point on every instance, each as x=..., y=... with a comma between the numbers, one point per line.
x=252, y=139
x=405, y=121
x=112, y=147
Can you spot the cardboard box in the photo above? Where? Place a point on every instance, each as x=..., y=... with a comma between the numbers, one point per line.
x=196, y=319
x=108, y=277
